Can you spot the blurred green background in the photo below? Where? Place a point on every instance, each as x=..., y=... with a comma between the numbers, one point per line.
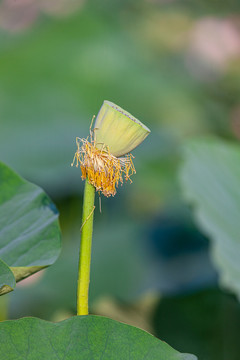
x=175, y=65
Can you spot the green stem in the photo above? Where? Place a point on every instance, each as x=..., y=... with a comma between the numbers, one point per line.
x=85, y=249
x=4, y=302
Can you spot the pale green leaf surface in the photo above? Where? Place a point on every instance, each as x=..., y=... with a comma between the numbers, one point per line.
x=81, y=338
x=211, y=182
x=29, y=229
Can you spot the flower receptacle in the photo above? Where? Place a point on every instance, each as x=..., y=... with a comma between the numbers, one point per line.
x=118, y=130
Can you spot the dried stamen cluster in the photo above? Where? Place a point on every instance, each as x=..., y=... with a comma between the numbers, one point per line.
x=103, y=170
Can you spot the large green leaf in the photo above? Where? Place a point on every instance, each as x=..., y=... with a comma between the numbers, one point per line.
x=29, y=229
x=82, y=338
x=211, y=182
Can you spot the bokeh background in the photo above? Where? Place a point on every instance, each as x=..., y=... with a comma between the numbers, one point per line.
x=175, y=65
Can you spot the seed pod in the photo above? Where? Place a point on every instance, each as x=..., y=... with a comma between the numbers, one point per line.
x=118, y=130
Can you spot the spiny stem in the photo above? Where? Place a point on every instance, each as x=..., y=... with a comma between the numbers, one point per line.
x=85, y=249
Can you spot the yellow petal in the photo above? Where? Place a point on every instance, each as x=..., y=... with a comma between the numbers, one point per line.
x=118, y=130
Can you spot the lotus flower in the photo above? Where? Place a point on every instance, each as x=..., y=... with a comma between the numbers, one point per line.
x=106, y=160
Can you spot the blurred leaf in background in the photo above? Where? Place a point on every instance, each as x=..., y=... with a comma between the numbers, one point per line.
x=206, y=323
x=211, y=177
